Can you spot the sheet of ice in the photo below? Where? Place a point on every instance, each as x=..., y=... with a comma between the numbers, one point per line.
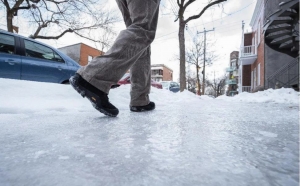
x=51, y=136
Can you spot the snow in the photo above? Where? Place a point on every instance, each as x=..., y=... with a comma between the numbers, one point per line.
x=283, y=95
x=50, y=135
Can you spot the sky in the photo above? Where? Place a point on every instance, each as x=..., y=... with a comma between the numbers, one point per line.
x=226, y=20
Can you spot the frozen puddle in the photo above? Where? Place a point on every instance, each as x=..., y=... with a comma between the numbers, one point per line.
x=268, y=134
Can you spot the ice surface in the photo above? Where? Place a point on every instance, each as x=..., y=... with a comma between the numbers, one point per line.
x=51, y=136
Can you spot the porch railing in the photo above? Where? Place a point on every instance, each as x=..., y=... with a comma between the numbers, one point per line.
x=248, y=50
x=231, y=82
x=287, y=76
x=246, y=88
x=230, y=69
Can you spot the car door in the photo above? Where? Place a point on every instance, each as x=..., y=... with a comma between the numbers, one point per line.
x=10, y=62
x=41, y=63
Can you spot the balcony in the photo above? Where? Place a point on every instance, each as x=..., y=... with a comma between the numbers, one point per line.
x=246, y=88
x=231, y=82
x=235, y=73
x=230, y=69
x=248, y=54
x=156, y=75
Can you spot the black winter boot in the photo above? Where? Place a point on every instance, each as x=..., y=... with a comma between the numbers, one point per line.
x=98, y=98
x=150, y=106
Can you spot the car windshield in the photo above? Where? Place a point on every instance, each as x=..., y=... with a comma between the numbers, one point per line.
x=164, y=84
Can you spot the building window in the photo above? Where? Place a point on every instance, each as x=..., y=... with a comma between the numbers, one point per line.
x=233, y=62
x=252, y=80
x=258, y=74
x=258, y=33
x=90, y=58
x=157, y=72
x=255, y=77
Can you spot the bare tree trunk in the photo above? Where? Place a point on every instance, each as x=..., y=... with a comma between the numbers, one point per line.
x=9, y=20
x=182, y=54
x=183, y=4
x=198, y=81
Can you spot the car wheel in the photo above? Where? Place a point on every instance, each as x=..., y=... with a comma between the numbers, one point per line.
x=66, y=82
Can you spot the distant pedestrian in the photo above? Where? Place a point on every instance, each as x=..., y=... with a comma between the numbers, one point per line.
x=131, y=50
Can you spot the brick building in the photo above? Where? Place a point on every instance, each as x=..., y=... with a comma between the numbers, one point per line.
x=258, y=62
x=160, y=72
x=233, y=74
x=81, y=53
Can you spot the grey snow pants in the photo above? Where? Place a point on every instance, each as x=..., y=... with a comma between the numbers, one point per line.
x=131, y=50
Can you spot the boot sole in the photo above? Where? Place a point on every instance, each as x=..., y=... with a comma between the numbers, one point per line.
x=141, y=110
x=88, y=94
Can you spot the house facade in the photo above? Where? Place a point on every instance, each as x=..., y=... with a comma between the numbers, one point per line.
x=81, y=53
x=258, y=62
x=281, y=30
x=233, y=74
x=160, y=72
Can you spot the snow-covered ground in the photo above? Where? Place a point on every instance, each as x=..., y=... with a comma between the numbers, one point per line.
x=50, y=135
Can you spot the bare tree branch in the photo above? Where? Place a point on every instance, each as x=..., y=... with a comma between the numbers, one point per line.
x=6, y=4
x=53, y=37
x=203, y=10
x=187, y=4
x=181, y=34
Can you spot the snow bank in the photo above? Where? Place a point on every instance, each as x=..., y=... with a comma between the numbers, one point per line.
x=18, y=96
x=26, y=96
x=283, y=95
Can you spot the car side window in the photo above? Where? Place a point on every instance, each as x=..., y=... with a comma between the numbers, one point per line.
x=7, y=44
x=36, y=50
x=173, y=84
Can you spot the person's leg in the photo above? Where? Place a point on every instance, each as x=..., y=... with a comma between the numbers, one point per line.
x=141, y=80
x=122, y=4
x=130, y=45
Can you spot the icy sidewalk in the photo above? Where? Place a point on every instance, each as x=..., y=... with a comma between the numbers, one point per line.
x=50, y=136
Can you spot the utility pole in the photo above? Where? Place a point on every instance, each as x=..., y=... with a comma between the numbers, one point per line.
x=203, y=72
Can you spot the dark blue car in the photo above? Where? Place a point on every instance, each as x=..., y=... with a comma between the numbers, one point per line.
x=27, y=59
x=170, y=85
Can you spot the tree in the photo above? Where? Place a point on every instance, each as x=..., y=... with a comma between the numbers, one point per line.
x=191, y=84
x=217, y=85
x=54, y=18
x=195, y=57
x=183, y=5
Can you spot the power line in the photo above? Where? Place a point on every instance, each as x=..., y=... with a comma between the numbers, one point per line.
x=174, y=8
x=223, y=27
x=204, y=57
x=228, y=15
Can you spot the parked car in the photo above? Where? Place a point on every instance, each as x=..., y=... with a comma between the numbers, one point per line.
x=27, y=59
x=126, y=80
x=170, y=85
